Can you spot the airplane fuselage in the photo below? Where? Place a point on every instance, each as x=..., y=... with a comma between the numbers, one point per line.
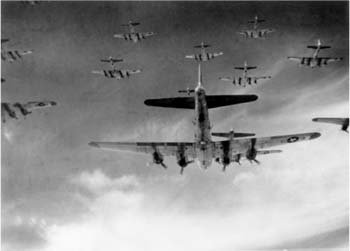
x=204, y=151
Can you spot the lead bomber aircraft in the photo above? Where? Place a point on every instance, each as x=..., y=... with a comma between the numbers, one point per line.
x=203, y=149
x=132, y=35
x=203, y=55
x=12, y=55
x=244, y=80
x=255, y=32
x=117, y=73
x=315, y=60
x=9, y=109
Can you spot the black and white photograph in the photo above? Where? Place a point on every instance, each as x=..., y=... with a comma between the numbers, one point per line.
x=174, y=125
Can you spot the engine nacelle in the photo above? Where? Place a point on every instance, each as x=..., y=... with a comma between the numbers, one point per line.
x=182, y=159
x=237, y=158
x=158, y=158
x=251, y=154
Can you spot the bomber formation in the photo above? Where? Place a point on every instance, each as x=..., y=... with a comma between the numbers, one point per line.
x=203, y=150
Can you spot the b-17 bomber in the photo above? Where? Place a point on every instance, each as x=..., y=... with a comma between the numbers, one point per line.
x=256, y=33
x=244, y=80
x=11, y=110
x=203, y=55
x=132, y=35
x=203, y=150
x=118, y=74
x=344, y=122
x=12, y=55
x=315, y=60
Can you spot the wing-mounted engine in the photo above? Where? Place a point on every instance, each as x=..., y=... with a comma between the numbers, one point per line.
x=225, y=159
x=182, y=158
x=158, y=158
x=237, y=158
x=252, y=152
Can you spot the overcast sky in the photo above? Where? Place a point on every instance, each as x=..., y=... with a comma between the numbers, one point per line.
x=60, y=194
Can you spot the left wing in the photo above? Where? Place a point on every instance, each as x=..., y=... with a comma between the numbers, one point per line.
x=190, y=56
x=166, y=148
x=242, y=145
x=11, y=109
x=298, y=59
x=32, y=105
x=123, y=36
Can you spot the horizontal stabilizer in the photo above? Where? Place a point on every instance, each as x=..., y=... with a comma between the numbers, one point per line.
x=246, y=68
x=318, y=47
x=256, y=21
x=188, y=91
x=131, y=23
x=234, y=134
x=213, y=101
x=202, y=46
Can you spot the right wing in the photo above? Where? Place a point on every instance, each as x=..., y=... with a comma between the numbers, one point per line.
x=119, y=36
x=146, y=34
x=213, y=101
x=165, y=148
x=242, y=145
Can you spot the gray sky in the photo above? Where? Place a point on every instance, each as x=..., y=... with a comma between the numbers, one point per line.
x=60, y=194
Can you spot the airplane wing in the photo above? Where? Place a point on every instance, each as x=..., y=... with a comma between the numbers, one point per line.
x=165, y=148
x=213, y=101
x=10, y=109
x=146, y=34
x=326, y=60
x=244, y=33
x=229, y=79
x=190, y=56
x=298, y=59
x=32, y=105
x=242, y=145
x=119, y=36
x=216, y=54
x=344, y=122
x=262, y=77
x=338, y=121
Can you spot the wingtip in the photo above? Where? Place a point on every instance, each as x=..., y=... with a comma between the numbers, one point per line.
x=315, y=135
x=94, y=144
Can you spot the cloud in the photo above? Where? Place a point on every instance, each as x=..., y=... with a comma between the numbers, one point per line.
x=23, y=233
x=98, y=182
